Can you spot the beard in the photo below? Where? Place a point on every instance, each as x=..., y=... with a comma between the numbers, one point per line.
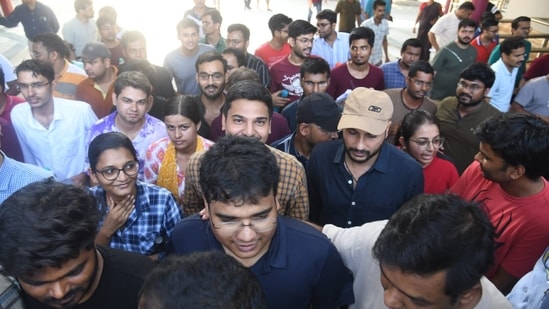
x=470, y=103
x=367, y=153
x=465, y=40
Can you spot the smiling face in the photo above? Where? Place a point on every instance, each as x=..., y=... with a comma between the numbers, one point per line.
x=247, y=118
x=302, y=45
x=66, y=286
x=211, y=79
x=189, y=39
x=123, y=185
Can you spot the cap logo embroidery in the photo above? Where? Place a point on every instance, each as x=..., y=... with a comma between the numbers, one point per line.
x=375, y=109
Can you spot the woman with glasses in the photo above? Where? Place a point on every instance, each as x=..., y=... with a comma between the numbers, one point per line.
x=420, y=137
x=167, y=158
x=137, y=217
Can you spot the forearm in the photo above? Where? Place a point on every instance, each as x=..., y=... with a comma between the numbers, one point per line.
x=433, y=40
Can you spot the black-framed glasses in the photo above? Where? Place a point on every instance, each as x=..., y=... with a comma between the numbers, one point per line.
x=111, y=173
x=470, y=87
x=422, y=143
x=322, y=25
x=35, y=86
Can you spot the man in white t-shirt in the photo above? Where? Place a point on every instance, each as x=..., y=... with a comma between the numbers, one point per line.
x=445, y=30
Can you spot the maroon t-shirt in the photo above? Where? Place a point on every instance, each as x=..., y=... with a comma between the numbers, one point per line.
x=341, y=80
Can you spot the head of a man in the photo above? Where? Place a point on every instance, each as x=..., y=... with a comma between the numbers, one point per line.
x=97, y=60
x=84, y=8
x=520, y=26
x=49, y=47
x=301, y=37
x=278, y=24
x=47, y=242
x=248, y=110
x=241, y=74
x=113, y=164
x=239, y=180
x=513, y=51
x=466, y=31
x=490, y=28
x=474, y=84
x=326, y=22
x=361, y=41
x=211, y=68
x=132, y=97
x=235, y=58
x=108, y=30
x=420, y=79
x=433, y=252
x=409, y=52
x=365, y=123
x=465, y=10
x=317, y=118
x=211, y=21
x=36, y=80
x=188, y=35
x=210, y=279
x=238, y=36
x=513, y=146
x=134, y=45
x=379, y=9
x=315, y=76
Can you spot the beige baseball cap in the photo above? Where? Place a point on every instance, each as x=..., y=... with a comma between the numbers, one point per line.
x=367, y=109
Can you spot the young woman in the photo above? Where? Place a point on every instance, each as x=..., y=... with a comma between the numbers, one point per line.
x=420, y=137
x=167, y=158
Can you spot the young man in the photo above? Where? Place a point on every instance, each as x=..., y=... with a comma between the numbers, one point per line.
x=395, y=72
x=108, y=32
x=278, y=47
x=357, y=72
x=51, y=48
x=506, y=69
x=453, y=58
x=132, y=98
x=486, y=41
x=51, y=131
x=97, y=89
x=60, y=222
x=379, y=24
x=331, y=45
x=348, y=178
x=180, y=62
x=433, y=253
x=136, y=216
x=285, y=72
x=211, y=26
x=349, y=14
x=507, y=178
x=248, y=112
x=295, y=265
x=81, y=30
x=317, y=116
x=412, y=97
x=35, y=16
x=445, y=29
x=459, y=115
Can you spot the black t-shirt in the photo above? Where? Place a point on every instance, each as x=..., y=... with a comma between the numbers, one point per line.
x=121, y=280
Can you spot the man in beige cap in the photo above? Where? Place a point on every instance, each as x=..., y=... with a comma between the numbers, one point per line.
x=361, y=178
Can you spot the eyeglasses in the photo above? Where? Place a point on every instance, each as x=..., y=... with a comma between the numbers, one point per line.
x=423, y=143
x=112, y=173
x=471, y=87
x=305, y=40
x=235, y=41
x=259, y=224
x=35, y=86
x=322, y=25
x=216, y=76
x=421, y=83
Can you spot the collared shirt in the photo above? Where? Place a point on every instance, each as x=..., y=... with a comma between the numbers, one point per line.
x=496, y=55
x=393, y=179
x=483, y=52
x=90, y=92
x=10, y=293
x=292, y=186
x=393, y=75
x=219, y=46
x=256, y=64
x=152, y=130
x=40, y=20
x=60, y=148
x=446, y=29
x=501, y=92
x=300, y=270
x=68, y=80
x=287, y=145
x=381, y=31
x=336, y=54
x=155, y=214
x=15, y=175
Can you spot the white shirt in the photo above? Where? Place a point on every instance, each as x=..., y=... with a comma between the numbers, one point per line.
x=380, y=31
x=446, y=29
x=59, y=148
x=501, y=92
x=338, y=53
x=355, y=246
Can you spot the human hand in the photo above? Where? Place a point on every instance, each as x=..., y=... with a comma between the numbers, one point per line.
x=118, y=214
x=279, y=101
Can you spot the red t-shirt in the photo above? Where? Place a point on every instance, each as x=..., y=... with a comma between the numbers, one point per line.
x=270, y=55
x=439, y=176
x=11, y=101
x=483, y=52
x=341, y=80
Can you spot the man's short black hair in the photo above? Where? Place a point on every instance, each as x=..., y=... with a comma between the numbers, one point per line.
x=467, y=5
x=214, y=14
x=44, y=225
x=327, y=14
x=131, y=36
x=132, y=79
x=52, y=43
x=249, y=90
x=37, y=68
x=432, y=233
x=185, y=23
x=315, y=66
x=467, y=22
x=210, y=57
x=489, y=22
x=242, y=28
x=277, y=22
x=379, y=3
x=479, y=71
x=510, y=44
x=516, y=21
x=206, y=280
x=420, y=66
x=300, y=27
x=237, y=53
x=412, y=42
x=359, y=33
x=238, y=170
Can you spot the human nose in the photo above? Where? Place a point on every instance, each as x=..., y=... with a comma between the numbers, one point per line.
x=478, y=157
x=58, y=289
x=391, y=298
x=246, y=232
x=178, y=132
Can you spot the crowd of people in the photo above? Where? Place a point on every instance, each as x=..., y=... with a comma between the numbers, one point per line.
x=312, y=173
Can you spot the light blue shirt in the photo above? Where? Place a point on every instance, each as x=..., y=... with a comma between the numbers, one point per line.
x=14, y=175
x=501, y=92
x=338, y=53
